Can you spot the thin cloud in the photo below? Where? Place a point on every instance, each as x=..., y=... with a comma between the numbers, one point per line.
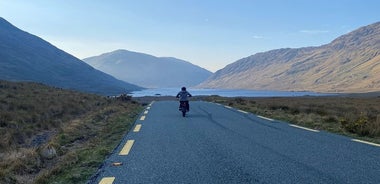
x=314, y=31
x=257, y=37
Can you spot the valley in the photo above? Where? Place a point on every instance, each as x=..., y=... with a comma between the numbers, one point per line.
x=61, y=117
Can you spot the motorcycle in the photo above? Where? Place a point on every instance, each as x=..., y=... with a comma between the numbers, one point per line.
x=183, y=107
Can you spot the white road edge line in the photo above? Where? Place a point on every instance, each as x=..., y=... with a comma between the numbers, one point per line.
x=309, y=129
x=365, y=142
x=243, y=111
x=262, y=117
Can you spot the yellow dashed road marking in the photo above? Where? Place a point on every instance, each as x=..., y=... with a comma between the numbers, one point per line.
x=127, y=147
x=137, y=128
x=107, y=180
x=142, y=118
x=309, y=129
x=365, y=142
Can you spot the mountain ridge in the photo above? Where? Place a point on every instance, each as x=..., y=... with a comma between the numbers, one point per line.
x=147, y=70
x=347, y=64
x=26, y=57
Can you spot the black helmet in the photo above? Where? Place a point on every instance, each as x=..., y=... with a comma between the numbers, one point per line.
x=183, y=88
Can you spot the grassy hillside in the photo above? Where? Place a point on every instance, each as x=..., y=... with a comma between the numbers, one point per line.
x=50, y=134
x=354, y=116
x=348, y=64
x=26, y=57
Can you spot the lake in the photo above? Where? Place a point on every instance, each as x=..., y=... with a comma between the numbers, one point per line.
x=225, y=93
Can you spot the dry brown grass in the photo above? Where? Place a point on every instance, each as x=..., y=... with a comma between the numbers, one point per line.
x=356, y=116
x=81, y=128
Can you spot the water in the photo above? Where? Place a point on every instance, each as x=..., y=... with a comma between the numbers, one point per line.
x=225, y=93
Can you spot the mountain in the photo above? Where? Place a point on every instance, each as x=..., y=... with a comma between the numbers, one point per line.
x=25, y=57
x=149, y=71
x=350, y=63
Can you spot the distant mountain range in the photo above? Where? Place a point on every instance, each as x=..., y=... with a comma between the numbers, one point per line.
x=149, y=71
x=25, y=57
x=350, y=63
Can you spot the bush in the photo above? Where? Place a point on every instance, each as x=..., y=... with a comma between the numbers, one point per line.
x=240, y=101
x=358, y=126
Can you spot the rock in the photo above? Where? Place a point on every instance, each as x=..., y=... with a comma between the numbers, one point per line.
x=48, y=152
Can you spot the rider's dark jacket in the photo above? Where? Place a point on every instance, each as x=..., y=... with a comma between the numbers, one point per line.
x=183, y=96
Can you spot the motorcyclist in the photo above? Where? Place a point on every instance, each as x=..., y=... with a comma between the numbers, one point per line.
x=183, y=98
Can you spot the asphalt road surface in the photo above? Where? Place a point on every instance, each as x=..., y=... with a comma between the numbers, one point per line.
x=218, y=144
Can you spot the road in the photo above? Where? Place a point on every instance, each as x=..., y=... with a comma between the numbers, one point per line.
x=219, y=144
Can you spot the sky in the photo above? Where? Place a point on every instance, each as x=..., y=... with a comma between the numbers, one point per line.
x=207, y=33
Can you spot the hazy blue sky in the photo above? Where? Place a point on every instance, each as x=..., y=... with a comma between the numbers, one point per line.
x=208, y=33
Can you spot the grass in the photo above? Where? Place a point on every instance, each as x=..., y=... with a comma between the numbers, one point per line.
x=354, y=116
x=80, y=130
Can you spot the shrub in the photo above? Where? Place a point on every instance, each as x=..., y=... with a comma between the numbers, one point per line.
x=358, y=126
x=240, y=101
x=361, y=125
x=295, y=111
